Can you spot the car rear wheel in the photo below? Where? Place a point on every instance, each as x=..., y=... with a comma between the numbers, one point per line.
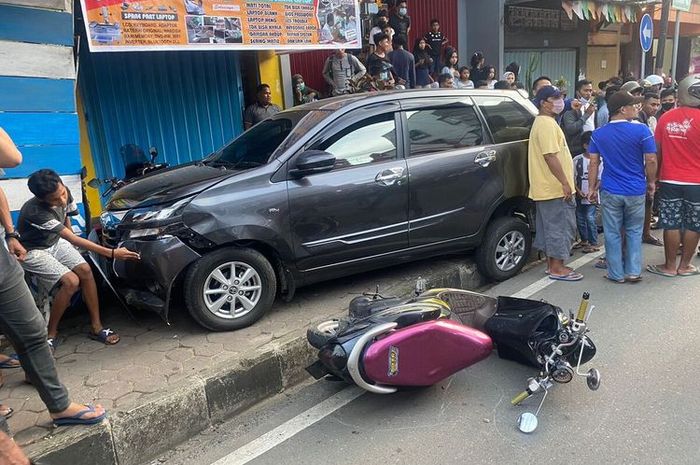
x=505, y=248
x=230, y=289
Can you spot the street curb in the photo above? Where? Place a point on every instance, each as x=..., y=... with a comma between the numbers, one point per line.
x=163, y=421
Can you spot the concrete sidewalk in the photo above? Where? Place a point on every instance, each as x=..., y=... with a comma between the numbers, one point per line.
x=163, y=384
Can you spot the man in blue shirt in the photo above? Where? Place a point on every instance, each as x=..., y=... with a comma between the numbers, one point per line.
x=629, y=152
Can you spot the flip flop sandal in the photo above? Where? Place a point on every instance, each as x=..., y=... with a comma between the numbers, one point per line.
x=633, y=279
x=694, y=272
x=6, y=411
x=654, y=241
x=11, y=362
x=573, y=276
x=78, y=419
x=103, y=336
x=654, y=269
x=601, y=264
x=616, y=281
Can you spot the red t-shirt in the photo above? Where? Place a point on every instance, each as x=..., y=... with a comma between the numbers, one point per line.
x=678, y=134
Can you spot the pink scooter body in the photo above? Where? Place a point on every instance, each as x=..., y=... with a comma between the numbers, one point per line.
x=424, y=354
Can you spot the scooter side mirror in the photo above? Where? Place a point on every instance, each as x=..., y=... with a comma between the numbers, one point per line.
x=83, y=173
x=527, y=422
x=593, y=379
x=94, y=183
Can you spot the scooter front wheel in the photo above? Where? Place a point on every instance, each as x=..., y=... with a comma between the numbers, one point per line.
x=321, y=334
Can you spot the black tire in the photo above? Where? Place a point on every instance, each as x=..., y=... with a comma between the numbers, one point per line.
x=495, y=233
x=196, y=280
x=321, y=334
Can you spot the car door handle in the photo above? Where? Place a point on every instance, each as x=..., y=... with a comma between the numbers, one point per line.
x=389, y=177
x=485, y=158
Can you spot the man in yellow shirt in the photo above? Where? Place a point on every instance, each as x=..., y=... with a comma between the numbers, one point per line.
x=551, y=173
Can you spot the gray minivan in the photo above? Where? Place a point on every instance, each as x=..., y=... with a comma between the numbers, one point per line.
x=325, y=190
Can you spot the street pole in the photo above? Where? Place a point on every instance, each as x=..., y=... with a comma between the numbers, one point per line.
x=661, y=47
x=644, y=56
x=676, y=38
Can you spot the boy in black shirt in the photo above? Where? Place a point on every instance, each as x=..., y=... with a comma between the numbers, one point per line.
x=435, y=40
x=46, y=233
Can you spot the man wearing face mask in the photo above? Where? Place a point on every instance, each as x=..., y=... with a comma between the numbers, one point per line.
x=551, y=175
x=629, y=152
x=668, y=102
x=400, y=21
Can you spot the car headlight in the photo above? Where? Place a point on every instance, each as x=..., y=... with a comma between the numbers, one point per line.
x=155, y=216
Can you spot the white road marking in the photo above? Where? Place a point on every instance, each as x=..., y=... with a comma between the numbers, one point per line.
x=537, y=286
x=290, y=428
x=286, y=430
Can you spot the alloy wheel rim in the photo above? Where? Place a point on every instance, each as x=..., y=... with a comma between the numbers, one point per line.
x=232, y=290
x=510, y=251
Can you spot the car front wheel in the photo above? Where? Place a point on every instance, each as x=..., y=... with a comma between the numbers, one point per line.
x=505, y=248
x=230, y=289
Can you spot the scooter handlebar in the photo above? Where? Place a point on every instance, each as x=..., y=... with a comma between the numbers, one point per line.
x=583, y=307
x=520, y=397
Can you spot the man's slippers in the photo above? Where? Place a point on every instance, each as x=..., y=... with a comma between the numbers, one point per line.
x=573, y=276
x=657, y=270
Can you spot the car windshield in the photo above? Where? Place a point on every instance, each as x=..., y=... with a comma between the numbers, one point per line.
x=257, y=145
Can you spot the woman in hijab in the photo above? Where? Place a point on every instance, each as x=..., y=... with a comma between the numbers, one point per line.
x=509, y=77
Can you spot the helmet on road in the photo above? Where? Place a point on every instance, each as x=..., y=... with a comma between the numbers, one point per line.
x=655, y=80
x=689, y=92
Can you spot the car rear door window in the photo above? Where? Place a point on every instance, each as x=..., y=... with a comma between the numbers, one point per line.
x=371, y=140
x=444, y=128
x=508, y=120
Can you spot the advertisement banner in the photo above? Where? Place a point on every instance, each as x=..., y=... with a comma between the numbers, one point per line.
x=146, y=25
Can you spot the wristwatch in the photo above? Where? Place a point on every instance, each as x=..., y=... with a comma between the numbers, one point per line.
x=12, y=235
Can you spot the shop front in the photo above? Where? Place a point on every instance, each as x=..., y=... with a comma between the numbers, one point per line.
x=176, y=76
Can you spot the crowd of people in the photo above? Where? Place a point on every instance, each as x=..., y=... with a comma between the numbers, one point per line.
x=629, y=150
x=388, y=62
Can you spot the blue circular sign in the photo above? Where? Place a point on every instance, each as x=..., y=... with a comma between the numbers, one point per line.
x=646, y=32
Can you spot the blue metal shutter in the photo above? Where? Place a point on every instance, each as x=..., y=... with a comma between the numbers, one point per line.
x=186, y=104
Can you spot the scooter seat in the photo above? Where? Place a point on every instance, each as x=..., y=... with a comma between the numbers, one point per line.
x=410, y=314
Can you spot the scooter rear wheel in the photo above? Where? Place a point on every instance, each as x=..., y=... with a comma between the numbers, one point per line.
x=322, y=333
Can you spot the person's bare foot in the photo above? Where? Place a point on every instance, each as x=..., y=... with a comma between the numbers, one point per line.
x=74, y=409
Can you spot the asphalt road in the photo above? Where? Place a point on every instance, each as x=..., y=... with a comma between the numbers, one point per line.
x=645, y=412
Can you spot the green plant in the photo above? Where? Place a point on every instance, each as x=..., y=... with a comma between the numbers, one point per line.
x=562, y=84
x=532, y=66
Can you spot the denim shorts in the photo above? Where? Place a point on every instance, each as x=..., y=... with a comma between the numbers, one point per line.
x=679, y=207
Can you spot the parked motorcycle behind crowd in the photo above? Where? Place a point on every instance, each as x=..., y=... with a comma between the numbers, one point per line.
x=388, y=343
x=136, y=165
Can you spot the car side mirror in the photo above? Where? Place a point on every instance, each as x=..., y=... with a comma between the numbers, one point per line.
x=312, y=161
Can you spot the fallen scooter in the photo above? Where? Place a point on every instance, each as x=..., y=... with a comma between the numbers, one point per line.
x=387, y=343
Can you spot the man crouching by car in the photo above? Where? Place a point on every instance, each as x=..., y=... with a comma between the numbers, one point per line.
x=45, y=231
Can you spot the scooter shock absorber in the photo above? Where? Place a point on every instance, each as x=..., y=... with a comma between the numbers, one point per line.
x=583, y=307
x=581, y=314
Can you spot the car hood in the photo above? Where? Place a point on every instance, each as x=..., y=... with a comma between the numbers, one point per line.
x=167, y=186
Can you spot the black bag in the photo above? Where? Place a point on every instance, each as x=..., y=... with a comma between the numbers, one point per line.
x=519, y=325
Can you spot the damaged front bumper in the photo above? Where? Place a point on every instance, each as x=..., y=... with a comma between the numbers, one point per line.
x=148, y=283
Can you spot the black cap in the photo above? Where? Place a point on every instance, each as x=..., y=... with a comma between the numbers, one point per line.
x=621, y=99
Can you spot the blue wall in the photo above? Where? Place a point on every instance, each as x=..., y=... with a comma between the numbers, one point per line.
x=37, y=96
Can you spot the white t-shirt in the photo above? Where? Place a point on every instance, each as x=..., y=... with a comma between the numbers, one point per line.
x=377, y=30
x=581, y=164
x=589, y=125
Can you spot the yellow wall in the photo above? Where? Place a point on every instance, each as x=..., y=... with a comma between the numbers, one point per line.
x=93, y=195
x=271, y=73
